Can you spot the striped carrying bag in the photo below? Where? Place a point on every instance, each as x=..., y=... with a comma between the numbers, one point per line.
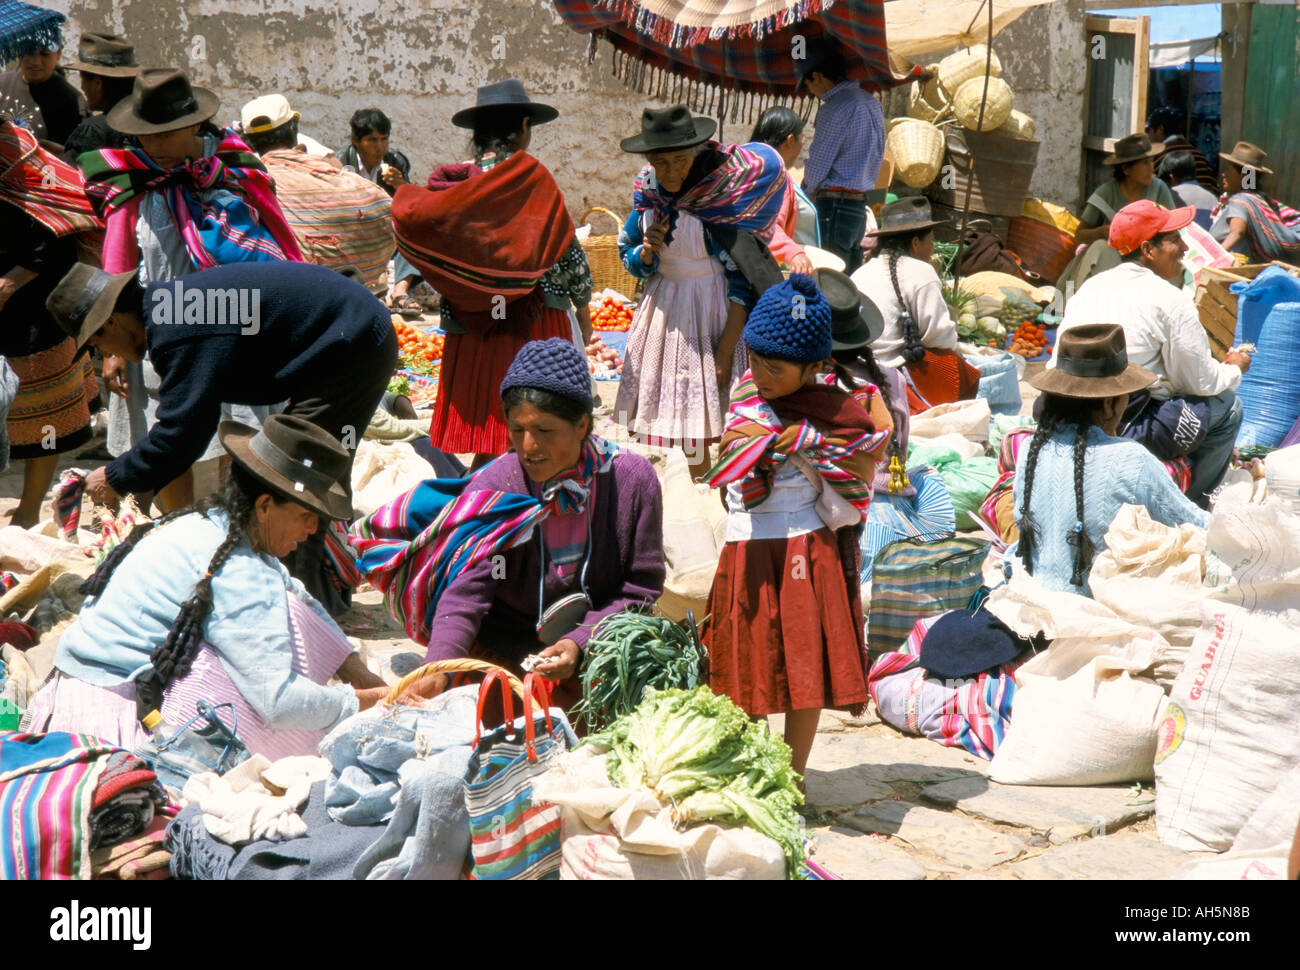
x=913, y=579
x=511, y=837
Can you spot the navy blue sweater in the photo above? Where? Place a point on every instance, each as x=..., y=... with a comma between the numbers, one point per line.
x=260, y=334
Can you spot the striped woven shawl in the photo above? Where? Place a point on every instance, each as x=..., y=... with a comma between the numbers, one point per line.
x=751, y=459
x=1273, y=226
x=745, y=192
x=43, y=185
x=414, y=547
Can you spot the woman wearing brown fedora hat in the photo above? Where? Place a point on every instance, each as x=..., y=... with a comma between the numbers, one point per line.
x=1075, y=473
x=198, y=607
x=1248, y=220
x=1133, y=177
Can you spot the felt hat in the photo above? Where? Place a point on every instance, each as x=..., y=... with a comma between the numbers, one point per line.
x=669, y=130
x=911, y=214
x=962, y=644
x=294, y=457
x=1247, y=155
x=163, y=100
x=106, y=55
x=1133, y=148
x=83, y=300
x=791, y=321
x=554, y=365
x=504, y=94
x=1092, y=362
x=266, y=114
x=855, y=320
x=1142, y=220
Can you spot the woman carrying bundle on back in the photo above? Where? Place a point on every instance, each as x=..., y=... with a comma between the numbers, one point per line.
x=1249, y=221
x=684, y=351
x=493, y=237
x=785, y=631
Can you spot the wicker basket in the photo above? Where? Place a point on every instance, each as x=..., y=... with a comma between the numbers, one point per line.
x=607, y=270
x=916, y=148
x=1019, y=125
x=1044, y=249
x=956, y=69
x=464, y=666
x=997, y=109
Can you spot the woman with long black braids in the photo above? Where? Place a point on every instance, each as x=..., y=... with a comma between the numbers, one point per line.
x=1075, y=474
x=198, y=607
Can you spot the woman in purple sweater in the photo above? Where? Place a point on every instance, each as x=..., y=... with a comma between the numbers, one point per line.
x=589, y=542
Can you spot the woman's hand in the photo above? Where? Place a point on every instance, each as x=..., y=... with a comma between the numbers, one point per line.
x=428, y=686
x=654, y=242
x=115, y=375
x=563, y=662
x=801, y=264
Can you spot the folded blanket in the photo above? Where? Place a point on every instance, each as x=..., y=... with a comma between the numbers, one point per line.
x=143, y=857
x=257, y=799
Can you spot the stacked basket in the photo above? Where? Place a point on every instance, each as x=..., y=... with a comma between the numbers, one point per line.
x=607, y=270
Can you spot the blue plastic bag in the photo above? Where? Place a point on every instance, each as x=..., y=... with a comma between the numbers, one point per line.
x=999, y=382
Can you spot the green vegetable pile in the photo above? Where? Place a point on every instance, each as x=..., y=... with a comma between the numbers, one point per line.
x=698, y=751
x=400, y=386
x=629, y=652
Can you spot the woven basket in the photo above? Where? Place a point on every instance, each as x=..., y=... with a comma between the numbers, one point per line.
x=932, y=90
x=607, y=270
x=1044, y=249
x=1019, y=125
x=966, y=104
x=464, y=666
x=916, y=148
x=956, y=69
x=921, y=107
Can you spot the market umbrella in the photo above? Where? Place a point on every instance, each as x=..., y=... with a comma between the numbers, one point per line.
x=733, y=58
x=25, y=29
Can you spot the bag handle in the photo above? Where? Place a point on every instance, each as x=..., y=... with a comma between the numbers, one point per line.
x=508, y=703
x=535, y=687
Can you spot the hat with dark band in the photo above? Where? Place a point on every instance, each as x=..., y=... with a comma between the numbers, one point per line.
x=1133, y=148
x=504, y=94
x=1092, y=362
x=106, y=55
x=911, y=214
x=855, y=320
x=295, y=458
x=83, y=300
x=163, y=100
x=669, y=130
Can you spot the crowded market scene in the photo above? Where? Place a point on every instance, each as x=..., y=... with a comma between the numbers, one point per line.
x=658, y=439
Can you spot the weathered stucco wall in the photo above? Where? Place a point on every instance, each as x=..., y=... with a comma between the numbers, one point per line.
x=419, y=61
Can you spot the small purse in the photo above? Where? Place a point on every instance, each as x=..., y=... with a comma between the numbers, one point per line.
x=561, y=617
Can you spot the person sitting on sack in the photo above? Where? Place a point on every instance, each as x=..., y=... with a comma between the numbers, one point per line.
x=563, y=531
x=1192, y=411
x=920, y=335
x=1248, y=221
x=1074, y=475
x=108, y=70
x=339, y=219
x=197, y=607
x=247, y=333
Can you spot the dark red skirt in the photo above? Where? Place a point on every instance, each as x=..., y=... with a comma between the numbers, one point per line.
x=941, y=377
x=467, y=416
x=785, y=625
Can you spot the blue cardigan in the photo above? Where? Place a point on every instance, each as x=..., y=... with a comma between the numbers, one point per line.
x=111, y=641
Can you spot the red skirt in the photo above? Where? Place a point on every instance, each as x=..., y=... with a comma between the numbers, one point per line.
x=785, y=625
x=941, y=377
x=467, y=416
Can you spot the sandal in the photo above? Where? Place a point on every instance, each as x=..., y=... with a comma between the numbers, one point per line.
x=407, y=307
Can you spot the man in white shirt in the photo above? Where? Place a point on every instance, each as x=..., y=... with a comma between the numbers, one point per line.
x=1164, y=334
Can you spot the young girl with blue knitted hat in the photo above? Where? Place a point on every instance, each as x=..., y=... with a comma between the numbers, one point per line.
x=785, y=631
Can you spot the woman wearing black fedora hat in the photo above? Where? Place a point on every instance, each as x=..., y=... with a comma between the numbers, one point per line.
x=1075, y=473
x=1249, y=220
x=198, y=607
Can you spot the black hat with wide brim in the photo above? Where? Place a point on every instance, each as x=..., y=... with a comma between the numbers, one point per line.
x=163, y=100
x=855, y=320
x=669, y=130
x=911, y=214
x=295, y=458
x=505, y=94
x=83, y=300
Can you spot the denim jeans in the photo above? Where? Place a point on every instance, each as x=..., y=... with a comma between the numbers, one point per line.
x=1210, y=461
x=842, y=223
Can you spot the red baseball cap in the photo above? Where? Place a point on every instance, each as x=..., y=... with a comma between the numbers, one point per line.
x=1142, y=220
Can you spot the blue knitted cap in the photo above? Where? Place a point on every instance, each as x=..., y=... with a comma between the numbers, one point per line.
x=553, y=365
x=791, y=321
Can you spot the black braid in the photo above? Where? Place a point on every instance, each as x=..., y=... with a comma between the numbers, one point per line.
x=864, y=356
x=894, y=247
x=1083, y=550
x=1028, y=527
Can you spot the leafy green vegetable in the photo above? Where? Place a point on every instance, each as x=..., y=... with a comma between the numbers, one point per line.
x=628, y=653
x=701, y=753
x=400, y=386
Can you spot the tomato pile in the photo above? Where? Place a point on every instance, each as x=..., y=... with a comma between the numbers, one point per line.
x=416, y=344
x=610, y=314
x=1029, y=340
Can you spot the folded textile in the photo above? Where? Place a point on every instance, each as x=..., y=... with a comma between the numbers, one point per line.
x=140, y=857
x=257, y=799
x=17, y=634
x=194, y=853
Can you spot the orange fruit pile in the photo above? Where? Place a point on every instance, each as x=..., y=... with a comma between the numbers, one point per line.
x=610, y=314
x=418, y=344
x=1029, y=340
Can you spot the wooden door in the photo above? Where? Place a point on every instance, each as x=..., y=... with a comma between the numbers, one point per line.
x=1115, y=93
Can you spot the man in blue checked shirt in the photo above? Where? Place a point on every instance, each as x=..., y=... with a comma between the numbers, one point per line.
x=845, y=155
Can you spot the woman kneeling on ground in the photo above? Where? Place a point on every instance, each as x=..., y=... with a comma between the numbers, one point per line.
x=198, y=607
x=1075, y=473
x=564, y=525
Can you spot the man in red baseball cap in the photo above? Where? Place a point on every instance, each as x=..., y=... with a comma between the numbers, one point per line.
x=1192, y=411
